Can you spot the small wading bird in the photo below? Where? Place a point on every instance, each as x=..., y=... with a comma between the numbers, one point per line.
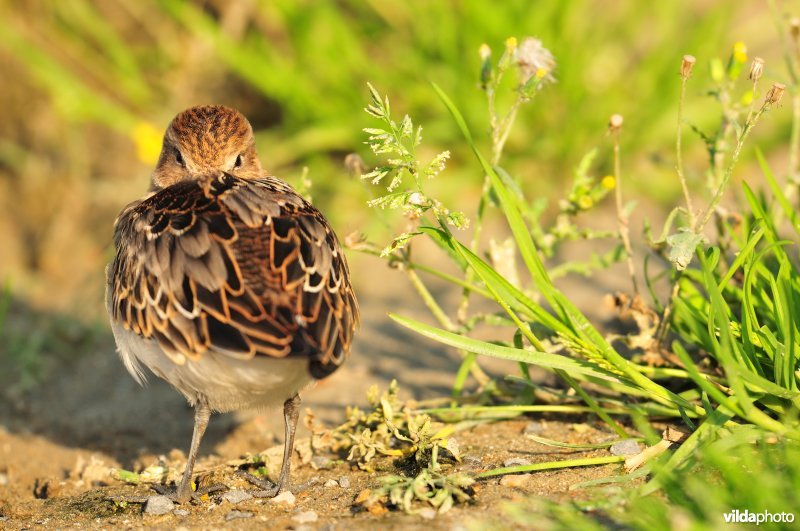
x=226, y=283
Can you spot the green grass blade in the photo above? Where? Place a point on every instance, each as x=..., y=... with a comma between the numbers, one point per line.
x=541, y=359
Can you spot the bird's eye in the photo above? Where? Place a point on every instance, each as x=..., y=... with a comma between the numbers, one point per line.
x=238, y=163
x=179, y=158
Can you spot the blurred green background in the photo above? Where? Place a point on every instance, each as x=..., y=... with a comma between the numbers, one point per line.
x=88, y=87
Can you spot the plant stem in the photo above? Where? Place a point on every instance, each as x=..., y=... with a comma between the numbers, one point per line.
x=480, y=376
x=622, y=218
x=500, y=132
x=712, y=206
x=679, y=154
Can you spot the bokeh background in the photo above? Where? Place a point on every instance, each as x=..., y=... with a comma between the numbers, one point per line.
x=88, y=87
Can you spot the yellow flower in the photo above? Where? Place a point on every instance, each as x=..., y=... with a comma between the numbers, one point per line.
x=511, y=43
x=585, y=202
x=747, y=98
x=740, y=52
x=148, y=142
x=609, y=182
x=541, y=73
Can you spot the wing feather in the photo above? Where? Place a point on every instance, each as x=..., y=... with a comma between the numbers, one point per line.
x=242, y=267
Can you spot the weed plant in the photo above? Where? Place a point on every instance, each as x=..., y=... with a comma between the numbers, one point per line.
x=717, y=358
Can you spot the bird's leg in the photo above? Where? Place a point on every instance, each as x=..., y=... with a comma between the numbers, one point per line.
x=184, y=492
x=291, y=412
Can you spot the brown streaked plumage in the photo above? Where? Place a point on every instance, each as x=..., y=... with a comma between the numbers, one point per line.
x=227, y=283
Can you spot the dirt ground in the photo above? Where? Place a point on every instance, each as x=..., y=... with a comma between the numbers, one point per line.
x=60, y=438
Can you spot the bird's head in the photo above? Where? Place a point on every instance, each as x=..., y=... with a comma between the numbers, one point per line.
x=202, y=142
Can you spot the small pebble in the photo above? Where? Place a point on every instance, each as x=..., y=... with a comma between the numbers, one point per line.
x=472, y=462
x=284, y=497
x=3, y=479
x=344, y=482
x=515, y=480
x=306, y=517
x=318, y=462
x=427, y=513
x=516, y=461
x=180, y=512
x=534, y=428
x=236, y=496
x=233, y=515
x=158, y=505
x=331, y=483
x=625, y=447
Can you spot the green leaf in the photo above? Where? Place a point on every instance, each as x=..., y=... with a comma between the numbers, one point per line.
x=541, y=359
x=682, y=247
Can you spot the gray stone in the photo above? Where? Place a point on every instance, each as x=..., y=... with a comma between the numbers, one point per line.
x=180, y=512
x=344, y=482
x=236, y=496
x=516, y=461
x=305, y=517
x=158, y=505
x=331, y=483
x=534, y=428
x=284, y=497
x=234, y=515
x=625, y=447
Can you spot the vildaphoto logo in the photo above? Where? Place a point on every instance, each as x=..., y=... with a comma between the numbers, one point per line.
x=747, y=517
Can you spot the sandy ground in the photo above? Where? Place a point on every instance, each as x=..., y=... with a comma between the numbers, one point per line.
x=59, y=438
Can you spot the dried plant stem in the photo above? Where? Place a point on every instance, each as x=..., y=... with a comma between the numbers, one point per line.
x=679, y=154
x=622, y=218
x=794, y=147
x=661, y=332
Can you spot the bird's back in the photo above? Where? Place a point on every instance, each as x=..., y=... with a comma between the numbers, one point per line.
x=245, y=268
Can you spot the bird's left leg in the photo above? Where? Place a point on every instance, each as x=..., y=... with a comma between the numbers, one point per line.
x=291, y=412
x=202, y=413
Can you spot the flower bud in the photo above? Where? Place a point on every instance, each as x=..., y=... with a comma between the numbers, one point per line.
x=609, y=182
x=485, y=54
x=794, y=28
x=686, y=66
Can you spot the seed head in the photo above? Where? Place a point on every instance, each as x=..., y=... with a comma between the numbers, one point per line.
x=686, y=66
x=534, y=60
x=615, y=123
x=756, y=69
x=775, y=94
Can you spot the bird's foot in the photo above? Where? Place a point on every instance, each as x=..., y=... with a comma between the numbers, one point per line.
x=268, y=488
x=175, y=494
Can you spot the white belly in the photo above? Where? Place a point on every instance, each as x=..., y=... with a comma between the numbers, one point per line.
x=226, y=383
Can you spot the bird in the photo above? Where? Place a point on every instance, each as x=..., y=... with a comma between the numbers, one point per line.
x=227, y=283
